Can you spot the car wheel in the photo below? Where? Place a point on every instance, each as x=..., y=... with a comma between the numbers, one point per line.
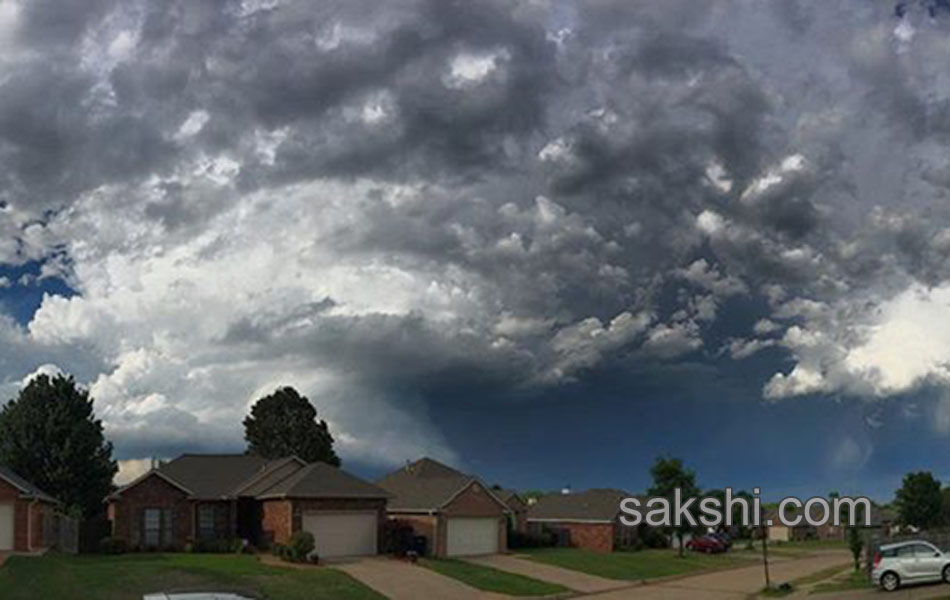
x=890, y=581
x=946, y=574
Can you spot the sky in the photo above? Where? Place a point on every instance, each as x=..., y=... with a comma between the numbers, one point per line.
x=545, y=242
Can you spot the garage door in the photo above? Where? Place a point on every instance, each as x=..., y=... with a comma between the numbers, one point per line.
x=342, y=533
x=470, y=536
x=6, y=526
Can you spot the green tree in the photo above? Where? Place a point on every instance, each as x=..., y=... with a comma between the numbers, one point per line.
x=285, y=423
x=50, y=435
x=856, y=545
x=919, y=501
x=668, y=475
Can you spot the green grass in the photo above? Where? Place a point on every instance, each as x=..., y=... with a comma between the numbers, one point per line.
x=128, y=577
x=796, y=584
x=856, y=580
x=633, y=566
x=492, y=580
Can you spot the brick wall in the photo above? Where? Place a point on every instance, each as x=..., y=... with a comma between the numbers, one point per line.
x=23, y=511
x=276, y=521
x=598, y=537
x=153, y=492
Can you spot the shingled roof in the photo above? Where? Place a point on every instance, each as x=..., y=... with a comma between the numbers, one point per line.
x=212, y=476
x=592, y=505
x=26, y=488
x=319, y=480
x=228, y=476
x=425, y=485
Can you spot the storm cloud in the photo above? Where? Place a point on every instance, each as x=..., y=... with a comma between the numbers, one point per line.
x=390, y=205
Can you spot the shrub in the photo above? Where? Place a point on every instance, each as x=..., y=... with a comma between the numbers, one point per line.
x=397, y=537
x=113, y=545
x=301, y=546
x=518, y=539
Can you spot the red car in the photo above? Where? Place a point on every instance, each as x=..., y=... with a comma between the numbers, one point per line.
x=705, y=544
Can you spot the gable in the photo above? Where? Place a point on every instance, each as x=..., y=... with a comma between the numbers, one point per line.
x=150, y=485
x=475, y=500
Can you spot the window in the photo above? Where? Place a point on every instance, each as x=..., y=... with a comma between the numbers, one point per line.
x=924, y=551
x=158, y=527
x=152, y=524
x=206, y=521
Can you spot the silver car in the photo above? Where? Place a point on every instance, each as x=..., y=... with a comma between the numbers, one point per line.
x=909, y=562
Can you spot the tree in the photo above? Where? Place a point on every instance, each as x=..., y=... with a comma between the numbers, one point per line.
x=919, y=501
x=669, y=474
x=285, y=423
x=856, y=545
x=49, y=434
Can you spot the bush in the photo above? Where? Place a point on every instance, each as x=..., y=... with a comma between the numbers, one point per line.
x=113, y=545
x=397, y=537
x=518, y=539
x=301, y=546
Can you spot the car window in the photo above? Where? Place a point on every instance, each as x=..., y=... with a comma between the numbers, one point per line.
x=905, y=552
x=889, y=553
x=923, y=550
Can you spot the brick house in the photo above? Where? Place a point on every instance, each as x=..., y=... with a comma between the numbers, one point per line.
x=25, y=511
x=200, y=498
x=589, y=520
x=518, y=517
x=456, y=513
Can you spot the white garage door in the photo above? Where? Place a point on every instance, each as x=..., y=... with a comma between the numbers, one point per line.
x=342, y=533
x=471, y=536
x=6, y=526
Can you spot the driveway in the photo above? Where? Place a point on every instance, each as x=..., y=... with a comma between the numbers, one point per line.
x=573, y=580
x=916, y=592
x=732, y=584
x=400, y=580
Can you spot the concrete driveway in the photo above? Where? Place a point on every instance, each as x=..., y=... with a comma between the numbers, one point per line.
x=400, y=580
x=733, y=584
x=916, y=592
x=572, y=580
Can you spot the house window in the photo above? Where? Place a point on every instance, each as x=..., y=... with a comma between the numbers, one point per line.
x=152, y=518
x=158, y=526
x=206, y=521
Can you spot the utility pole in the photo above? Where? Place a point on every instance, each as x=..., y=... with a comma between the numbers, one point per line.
x=765, y=556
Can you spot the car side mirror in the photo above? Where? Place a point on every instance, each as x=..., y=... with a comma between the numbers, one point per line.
x=937, y=555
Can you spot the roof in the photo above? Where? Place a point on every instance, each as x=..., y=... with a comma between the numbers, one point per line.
x=426, y=485
x=228, y=476
x=213, y=476
x=320, y=480
x=591, y=505
x=26, y=488
x=507, y=496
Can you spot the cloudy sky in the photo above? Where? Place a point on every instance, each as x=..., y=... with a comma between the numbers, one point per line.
x=544, y=241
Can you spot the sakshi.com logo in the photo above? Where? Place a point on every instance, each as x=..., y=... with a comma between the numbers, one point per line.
x=711, y=511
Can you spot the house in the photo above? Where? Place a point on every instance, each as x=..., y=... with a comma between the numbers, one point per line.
x=589, y=519
x=518, y=517
x=25, y=513
x=202, y=498
x=778, y=532
x=456, y=513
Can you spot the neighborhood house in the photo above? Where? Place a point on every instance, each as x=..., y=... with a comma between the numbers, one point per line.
x=26, y=513
x=457, y=514
x=201, y=498
x=588, y=519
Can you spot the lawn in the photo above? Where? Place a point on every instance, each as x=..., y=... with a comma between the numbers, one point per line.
x=633, y=566
x=128, y=577
x=492, y=580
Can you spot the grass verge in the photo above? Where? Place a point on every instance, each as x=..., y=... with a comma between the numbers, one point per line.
x=633, y=566
x=492, y=580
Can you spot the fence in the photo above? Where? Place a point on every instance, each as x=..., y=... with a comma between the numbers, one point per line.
x=61, y=532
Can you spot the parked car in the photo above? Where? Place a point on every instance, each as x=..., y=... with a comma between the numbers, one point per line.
x=723, y=538
x=707, y=544
x=914, y=561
